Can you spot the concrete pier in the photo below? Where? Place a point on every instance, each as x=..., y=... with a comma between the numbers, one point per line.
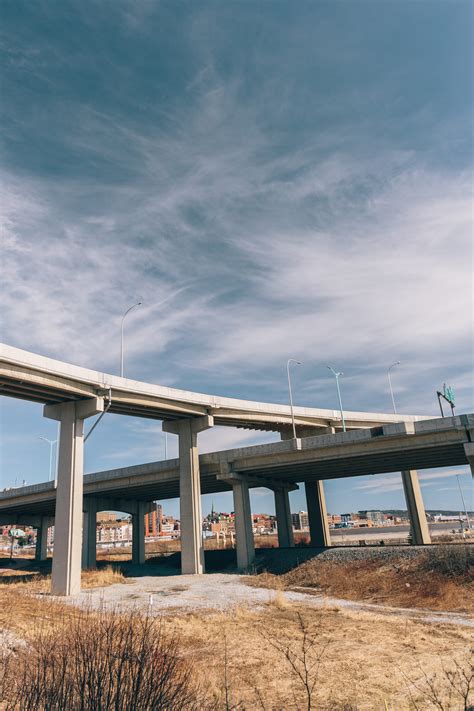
x=243, y=525
x=415, y=507
x=89, y=534
x=469, y=451
x=66, y=575
x=192, y=549
x=317, y=514
x=41, y=552
x=283, y=516
x=138, y=534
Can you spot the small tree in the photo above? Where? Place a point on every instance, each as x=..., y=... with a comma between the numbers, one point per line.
x=304, y=655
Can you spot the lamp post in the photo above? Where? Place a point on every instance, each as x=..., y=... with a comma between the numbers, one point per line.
x=337, y=375
x=468, y=522
x=51, y=442
x=139, y=303
x=297, y=362
x=397, y=362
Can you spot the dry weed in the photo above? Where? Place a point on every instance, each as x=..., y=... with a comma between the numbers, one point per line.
x=440, y=578
x=97, y=659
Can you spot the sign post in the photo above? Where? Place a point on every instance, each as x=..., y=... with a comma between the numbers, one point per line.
x=448, y=395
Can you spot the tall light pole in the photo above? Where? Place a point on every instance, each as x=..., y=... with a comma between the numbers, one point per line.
x=397, y=362
x=337, y=375
x=297, y=362
x=464, y=504
x=51, y=443
x=139, y=303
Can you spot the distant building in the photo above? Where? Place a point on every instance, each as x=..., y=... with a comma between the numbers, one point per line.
x=106, y=516
x=114, y=532
x=300, y=521
x=377, y=517
x=153, y=521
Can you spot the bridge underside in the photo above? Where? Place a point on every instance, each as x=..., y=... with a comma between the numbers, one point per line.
x=382, y=443
x=151, y=482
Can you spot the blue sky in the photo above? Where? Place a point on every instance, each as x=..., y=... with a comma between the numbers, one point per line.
x=271, y=179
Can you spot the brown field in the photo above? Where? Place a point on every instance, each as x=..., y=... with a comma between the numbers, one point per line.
x=440, y=578
x=361, y=660
x=247, y=659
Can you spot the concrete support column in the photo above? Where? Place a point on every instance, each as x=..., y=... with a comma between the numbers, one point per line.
x=89, y=535
x=469, y=451
x=243, y=525
x=416, y=508
x=283, y=515
x=317, y=514
x=192, y=549
x=138, y=534
x=41, y=552
x=66, y=575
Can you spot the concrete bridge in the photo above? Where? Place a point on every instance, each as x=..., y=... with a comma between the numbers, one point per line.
x=409, y=444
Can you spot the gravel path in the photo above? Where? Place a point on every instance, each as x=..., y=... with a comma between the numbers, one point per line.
x=222, y=592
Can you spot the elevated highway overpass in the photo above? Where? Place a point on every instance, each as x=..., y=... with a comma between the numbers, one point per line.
x=39, y=379
x=71, y=394
x=281, y=466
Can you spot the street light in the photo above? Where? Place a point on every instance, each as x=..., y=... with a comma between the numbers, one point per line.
x=337, y=375
x=297, y=362
x=468, y=522
x=397, y=362
x=139, y=303
x=51, y=442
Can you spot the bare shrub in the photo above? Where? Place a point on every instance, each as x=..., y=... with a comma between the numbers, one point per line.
x=449, y=561
x=304, y=655
x=98, y=661
x=450, y=689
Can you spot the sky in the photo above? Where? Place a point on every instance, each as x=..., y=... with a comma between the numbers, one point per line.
x=272, y=180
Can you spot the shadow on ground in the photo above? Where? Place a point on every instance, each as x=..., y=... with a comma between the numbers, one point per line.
x=219, y=561
x=273, y=560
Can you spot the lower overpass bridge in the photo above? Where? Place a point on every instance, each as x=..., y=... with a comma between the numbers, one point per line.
x=405, y=447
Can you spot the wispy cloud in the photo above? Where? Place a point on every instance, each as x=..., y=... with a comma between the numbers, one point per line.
x=284, y=185
x=383, y=483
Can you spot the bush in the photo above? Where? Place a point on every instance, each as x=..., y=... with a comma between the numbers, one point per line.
x=450, y=561
x=98, y=661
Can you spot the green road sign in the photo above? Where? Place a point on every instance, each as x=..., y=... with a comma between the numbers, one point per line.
x=448, y=394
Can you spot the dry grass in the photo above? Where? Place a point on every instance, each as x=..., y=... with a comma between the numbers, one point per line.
x=439, y=579
x=34, y=582
x=102, y=577
x=369, y=663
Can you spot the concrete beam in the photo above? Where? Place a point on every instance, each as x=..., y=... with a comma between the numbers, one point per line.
x=66, y=574
x=18, y=519
x=198, y=424
x=317, y=514
x=83, y=409
x=129, y=506
x=416, y=508
x=243, y=525
x=283, y=516
x=231, y=477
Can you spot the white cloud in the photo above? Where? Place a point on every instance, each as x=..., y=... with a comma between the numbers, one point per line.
x=382, y=483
